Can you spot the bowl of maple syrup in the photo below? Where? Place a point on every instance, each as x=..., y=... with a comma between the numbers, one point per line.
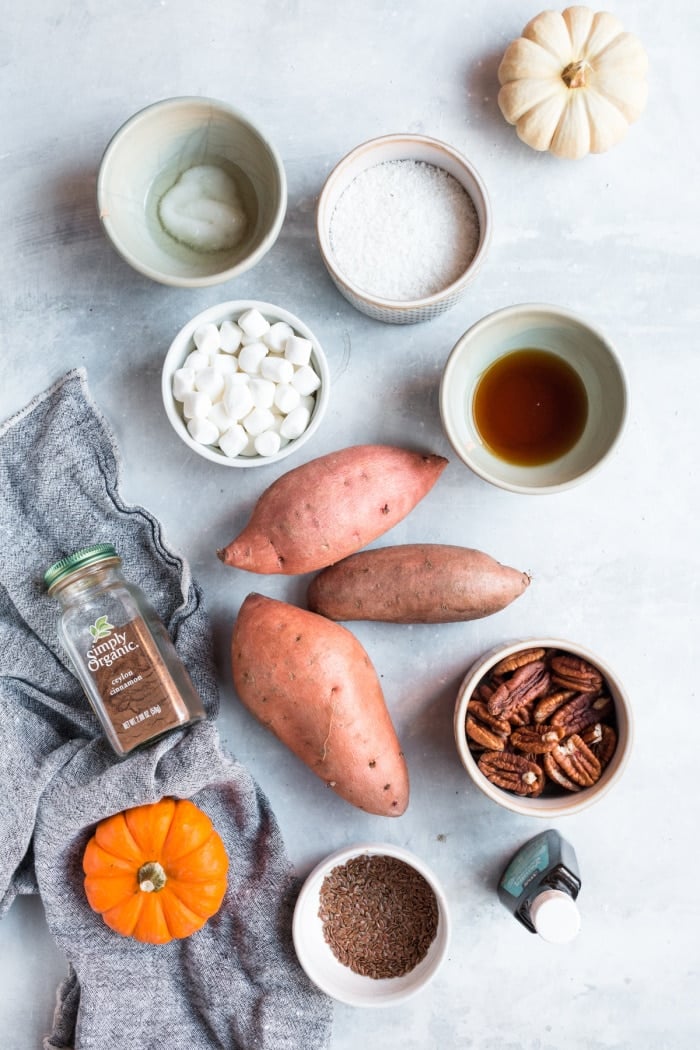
x=533, y=398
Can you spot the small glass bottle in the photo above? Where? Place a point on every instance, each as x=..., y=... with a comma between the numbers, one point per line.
x=540, y=885
x=122, y=654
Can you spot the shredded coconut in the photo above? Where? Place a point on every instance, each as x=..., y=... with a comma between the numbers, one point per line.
x=404, y=230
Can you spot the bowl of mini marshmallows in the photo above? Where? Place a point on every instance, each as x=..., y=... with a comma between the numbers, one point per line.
x=403, y=224
x=245, y=383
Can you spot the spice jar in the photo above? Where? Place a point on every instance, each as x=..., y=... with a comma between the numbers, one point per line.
x=122, y=654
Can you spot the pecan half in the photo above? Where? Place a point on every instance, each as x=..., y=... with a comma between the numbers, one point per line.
x=483, y=691
x=516, y=660
x=527, y=683
x=512, y=773
x=536, y=740
x=556, y=773
x=524, y=714
x=582, y=711
x=572, y=761
x=602, y=740
x=484, y=728
x=546, y=707
x=573, y=672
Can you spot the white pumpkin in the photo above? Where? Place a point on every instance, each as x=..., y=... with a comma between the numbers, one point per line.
x=573, y=82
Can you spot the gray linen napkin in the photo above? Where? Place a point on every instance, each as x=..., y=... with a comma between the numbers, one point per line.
x=234, y=984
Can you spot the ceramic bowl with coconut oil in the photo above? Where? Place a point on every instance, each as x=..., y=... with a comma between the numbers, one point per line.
x=403, y=225
x=191, y=193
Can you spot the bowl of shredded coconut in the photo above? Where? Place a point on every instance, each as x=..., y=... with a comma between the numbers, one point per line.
x=403, y=225
x=191, y=193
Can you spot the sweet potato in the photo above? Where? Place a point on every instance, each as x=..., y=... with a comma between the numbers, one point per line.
x=330, y=507
x=312, y=683
x=415, y=583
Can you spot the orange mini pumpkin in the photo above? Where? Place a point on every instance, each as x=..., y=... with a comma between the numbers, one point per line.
x=156, y=872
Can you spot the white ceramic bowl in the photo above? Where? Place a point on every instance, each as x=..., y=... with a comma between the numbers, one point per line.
x=339, y=981
x=542, y=327
x=379, y=151
x=183, y=344
x=547, y=805
x=147, y=156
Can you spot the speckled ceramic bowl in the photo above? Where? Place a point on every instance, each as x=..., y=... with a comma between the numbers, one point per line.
x=554, y=802
x=338, y=980
x=146, y=157
x=378, y=151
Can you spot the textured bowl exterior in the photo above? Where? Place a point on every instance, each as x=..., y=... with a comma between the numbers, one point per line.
x=181, y=346
x=379, y=151
x=544, y=327
x=558, y=806
x=340, y=982
x=145, y=157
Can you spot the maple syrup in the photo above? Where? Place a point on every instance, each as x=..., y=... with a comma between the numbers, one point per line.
x=530, y=407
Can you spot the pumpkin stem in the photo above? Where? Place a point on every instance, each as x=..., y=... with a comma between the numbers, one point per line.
x=574, y=76
x=151, y=877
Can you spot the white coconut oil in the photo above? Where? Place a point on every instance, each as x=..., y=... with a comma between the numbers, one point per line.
x=205, y=207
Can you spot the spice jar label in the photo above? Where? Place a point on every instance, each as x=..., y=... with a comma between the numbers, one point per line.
x=130, y=675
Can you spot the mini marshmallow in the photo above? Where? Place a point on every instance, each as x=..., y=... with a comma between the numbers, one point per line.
x=267, y=443
x=206, y=338
x=196, y=405
x=183, y=382
x=238, y=400
x=210, y=381
x=196, y=360
x=258, y=420
x=229, y=337
x=253, y=323
x=226, y=364
x=203, y=431
x=277, y=369
x=295, y=423
x=233, y=441
x=237, y=379
x=249, y=450
x=305, y=380
x=250, y=357
x=287, y=397
x=263, y=392
x=220, y=417
x=277, y=336
x=298, y=350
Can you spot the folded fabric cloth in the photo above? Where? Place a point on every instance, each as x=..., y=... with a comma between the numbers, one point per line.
x=236, y=982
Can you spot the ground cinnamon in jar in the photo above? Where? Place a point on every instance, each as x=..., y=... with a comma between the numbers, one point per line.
x=379, y=915
x=121, y=651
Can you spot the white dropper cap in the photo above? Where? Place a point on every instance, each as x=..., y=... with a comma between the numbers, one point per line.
x=555, y=916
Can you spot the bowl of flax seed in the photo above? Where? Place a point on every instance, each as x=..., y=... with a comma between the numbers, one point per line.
x=371, y=925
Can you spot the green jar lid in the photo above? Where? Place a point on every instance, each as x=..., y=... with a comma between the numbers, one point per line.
x=80, y=560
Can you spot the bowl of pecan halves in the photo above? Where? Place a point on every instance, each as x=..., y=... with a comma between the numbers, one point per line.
x=543, y=726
